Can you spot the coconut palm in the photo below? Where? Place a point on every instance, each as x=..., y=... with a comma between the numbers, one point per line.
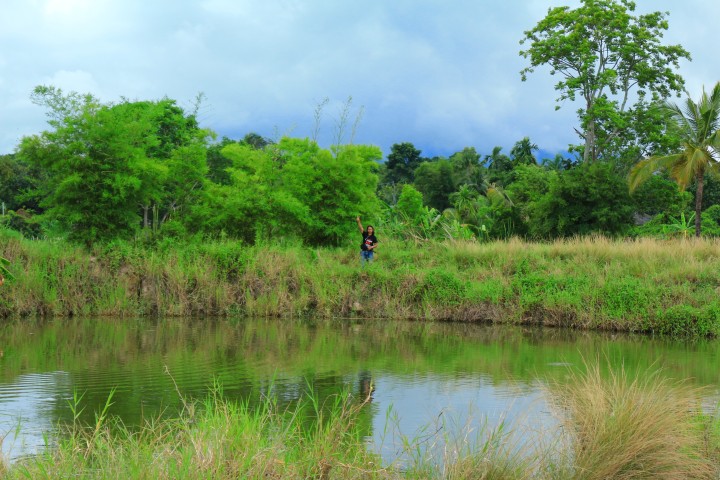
x=698, y=125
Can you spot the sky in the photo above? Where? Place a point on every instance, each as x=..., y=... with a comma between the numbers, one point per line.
x=441, y=74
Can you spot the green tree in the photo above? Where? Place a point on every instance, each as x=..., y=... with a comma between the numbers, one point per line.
x=108, y=163
x=401, y=163
x=255, y=205
x=660, y=195
x=558, y=162
x=410, y=204
x=466, y=204
x=435, y=181
x=294, y=189
x=604, y=55
x=217, y=163
x=698, y=125
x=588, y=198
x=466, y=167
x=522, y=152
x=334, y=188
x=499, y=167
x=20, y=183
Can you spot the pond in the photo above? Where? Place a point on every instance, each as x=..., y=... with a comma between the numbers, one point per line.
x=421, y=374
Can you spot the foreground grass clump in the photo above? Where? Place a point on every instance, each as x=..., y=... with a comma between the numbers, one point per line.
x=612, y=426
x=645, y=285
x=623, y=427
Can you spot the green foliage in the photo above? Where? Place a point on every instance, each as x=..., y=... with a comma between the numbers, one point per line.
x=292, y=189
x=441, y=286
x=333, y=188
x=522, y=152
x=410, y=204
x=500, y=167
x=401, y=163
x=107, y=163
x=19, y=183
x=5, y=274
x=688, y=321
x=603, y=53
x=434, y=181
x=698, y=127
x=466, y=167
x=659, y=195
x=590, y=198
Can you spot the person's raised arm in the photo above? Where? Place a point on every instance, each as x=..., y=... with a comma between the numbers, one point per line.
x=357, y=219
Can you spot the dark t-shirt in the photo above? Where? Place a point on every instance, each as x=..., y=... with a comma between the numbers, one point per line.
x=368, y=241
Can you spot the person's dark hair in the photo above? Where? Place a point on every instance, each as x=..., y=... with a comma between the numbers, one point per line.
x=367, y=229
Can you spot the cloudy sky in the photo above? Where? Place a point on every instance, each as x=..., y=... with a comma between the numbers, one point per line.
x=442, y=74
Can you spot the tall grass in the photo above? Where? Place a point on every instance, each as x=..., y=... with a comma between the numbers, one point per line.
x=613, y=426
x=626, y=427
x=644, y=285
x=215, y=439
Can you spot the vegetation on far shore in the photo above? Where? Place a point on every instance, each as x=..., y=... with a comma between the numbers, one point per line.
x=642, y=285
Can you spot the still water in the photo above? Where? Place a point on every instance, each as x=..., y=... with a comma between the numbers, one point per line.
x=423, y=374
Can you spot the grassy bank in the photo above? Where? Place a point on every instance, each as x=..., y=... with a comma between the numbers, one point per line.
x=646, y=285
x=615, y=426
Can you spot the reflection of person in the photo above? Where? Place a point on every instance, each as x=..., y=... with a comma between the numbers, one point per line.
x=366, y=386
x=369, y=242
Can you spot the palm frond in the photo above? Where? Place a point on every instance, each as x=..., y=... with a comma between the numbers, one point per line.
x=644, y=169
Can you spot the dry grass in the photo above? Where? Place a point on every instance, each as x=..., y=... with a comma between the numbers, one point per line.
x=626, y=428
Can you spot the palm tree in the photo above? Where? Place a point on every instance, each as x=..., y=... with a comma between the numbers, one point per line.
x=522, y=152
x=698, y=125
x=465, y=201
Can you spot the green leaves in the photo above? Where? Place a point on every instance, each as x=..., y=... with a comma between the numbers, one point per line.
x=602, y=54
x=107, y=163
x=295, y=189
x=4, y=272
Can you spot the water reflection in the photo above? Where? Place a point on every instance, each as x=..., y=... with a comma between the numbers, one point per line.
x=417, y=371
x=27, y=410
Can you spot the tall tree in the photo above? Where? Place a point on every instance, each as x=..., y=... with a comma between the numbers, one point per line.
x=522, y=152
x=434, y=181
x=466, y=167
x=401, y=163
x=698, y=124
x=107, y=163
x=606, y=56
x=499, y=167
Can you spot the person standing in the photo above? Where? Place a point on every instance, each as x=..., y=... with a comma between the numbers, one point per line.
x=369, y=242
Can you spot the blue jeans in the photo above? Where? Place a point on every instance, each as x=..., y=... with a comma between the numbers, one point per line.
x=365, y=256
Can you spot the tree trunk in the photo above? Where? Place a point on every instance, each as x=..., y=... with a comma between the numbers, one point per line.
x=146, y=223
x=589, y=155
x=698, y=202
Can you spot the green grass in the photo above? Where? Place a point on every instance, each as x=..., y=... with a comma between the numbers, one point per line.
x=656, y=286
